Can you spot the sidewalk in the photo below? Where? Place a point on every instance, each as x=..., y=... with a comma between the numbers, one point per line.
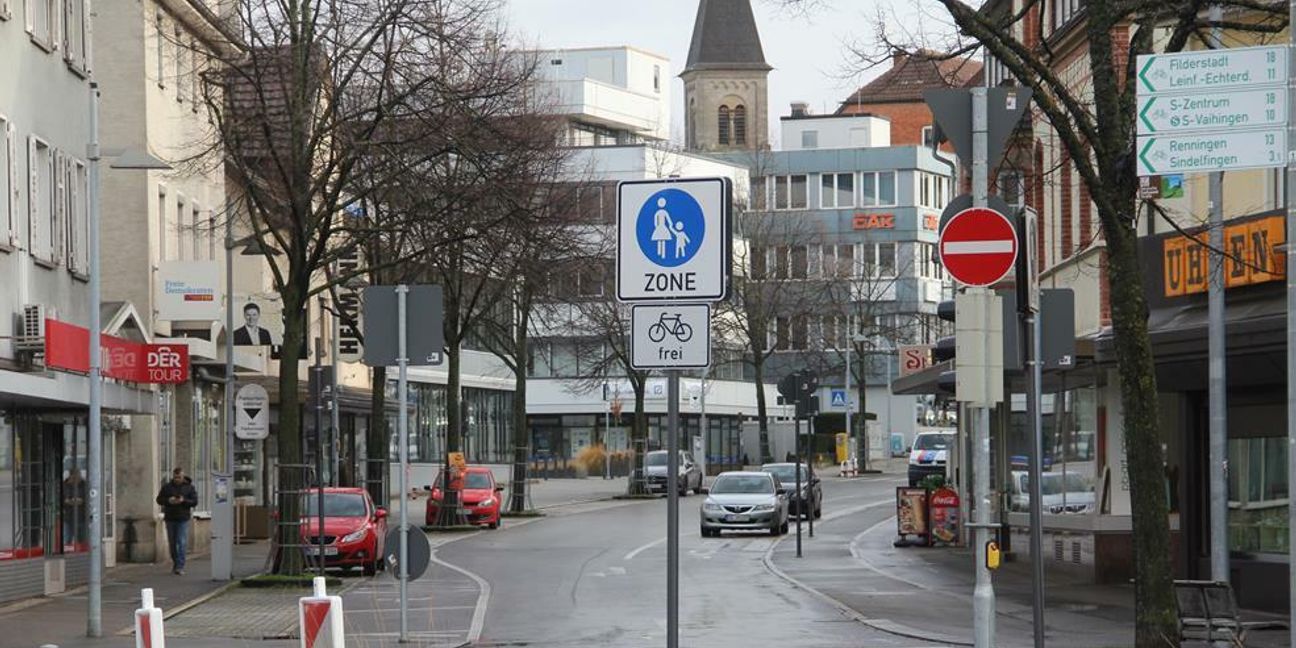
x=926, y=593
x=61, y=620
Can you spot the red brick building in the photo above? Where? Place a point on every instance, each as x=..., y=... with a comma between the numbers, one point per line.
x=898, y=93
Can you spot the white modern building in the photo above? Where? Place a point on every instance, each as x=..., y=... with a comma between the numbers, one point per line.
x=624, y=101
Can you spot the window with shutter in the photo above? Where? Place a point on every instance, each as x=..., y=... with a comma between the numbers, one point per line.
x=41, y=199
x=15, y=190
x=58, y=209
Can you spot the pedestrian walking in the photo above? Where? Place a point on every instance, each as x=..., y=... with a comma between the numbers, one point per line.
x=177, y=498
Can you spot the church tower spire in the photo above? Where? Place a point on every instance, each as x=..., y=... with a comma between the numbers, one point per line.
x=726, y=80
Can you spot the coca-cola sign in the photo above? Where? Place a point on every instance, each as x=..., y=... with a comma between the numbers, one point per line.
x=67, y=347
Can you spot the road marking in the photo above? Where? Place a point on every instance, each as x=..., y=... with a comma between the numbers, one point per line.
x=483, y=598
x=631, y=556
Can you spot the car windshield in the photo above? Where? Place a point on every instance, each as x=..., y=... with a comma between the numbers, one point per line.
x=933, y=441
x=477, y=480
x=337, y=505
x=742, y=484
x=787, y=473
x=1050, y=484
x=655, y=459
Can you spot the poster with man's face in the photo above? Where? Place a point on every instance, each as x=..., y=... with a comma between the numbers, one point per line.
x=262, y=322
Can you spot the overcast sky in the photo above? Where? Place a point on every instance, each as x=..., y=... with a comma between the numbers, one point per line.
x=808, y=52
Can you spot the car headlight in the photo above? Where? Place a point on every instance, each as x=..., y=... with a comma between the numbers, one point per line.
x=711, y=506
x=487, y=503
x=763, y=507
x=356, y=536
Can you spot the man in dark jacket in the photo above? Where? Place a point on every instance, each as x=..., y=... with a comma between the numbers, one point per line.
x=177, y=499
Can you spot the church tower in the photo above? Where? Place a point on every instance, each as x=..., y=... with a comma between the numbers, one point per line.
x=726, y=80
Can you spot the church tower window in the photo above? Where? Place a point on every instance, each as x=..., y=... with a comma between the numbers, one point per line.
x=740, y=125
x=722, y=119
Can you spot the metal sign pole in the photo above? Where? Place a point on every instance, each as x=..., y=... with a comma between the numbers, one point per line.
x=808, y=500
x=1291, y=307
x=319, y=454
x=672, y=509
x=1217, y=386
x=796, y=418
x=402, y=388
x=983, y=597
x=1034, y=386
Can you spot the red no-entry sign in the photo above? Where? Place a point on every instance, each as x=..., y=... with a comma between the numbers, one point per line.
x=978, y=246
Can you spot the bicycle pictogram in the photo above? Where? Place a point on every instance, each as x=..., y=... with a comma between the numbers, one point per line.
x=670, y=324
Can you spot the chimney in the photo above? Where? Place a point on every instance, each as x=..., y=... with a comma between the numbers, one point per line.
x=898, y=57
x=800, y=109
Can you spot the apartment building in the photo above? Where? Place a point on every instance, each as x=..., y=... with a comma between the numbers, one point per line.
x=45, y=115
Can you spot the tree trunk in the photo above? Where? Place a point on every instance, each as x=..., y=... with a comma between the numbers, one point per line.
x=292, y=478
x=1153, y=587
x=377, y=440
x=762, y=418
x=449, y=514
x=639, y=436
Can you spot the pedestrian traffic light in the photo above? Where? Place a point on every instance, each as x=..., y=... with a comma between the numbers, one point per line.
x=798, y=388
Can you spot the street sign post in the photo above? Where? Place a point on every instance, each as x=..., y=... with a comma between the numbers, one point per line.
x=673, y=239
x=978, y=246
x=673, y=245
x=670, y=336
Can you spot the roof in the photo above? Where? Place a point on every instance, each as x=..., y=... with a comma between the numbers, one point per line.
x=725, y=38
x=910, y=75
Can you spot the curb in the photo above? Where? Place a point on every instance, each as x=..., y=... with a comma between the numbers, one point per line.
x=881, y=625
x=190, y=604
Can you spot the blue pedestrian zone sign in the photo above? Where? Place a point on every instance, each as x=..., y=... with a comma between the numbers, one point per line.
x=673, y=239
x=671, y=228
x=839, y=398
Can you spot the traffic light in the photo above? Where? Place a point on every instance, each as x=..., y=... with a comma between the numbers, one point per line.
x=798, y=388
x=946, y=347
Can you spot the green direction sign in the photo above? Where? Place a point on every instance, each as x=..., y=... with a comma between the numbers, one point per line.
x=1212, y=69
x=1205, y=152
x=1212, y=111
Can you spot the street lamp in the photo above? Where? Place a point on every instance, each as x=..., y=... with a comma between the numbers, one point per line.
x=222, y=562
x=121, y=160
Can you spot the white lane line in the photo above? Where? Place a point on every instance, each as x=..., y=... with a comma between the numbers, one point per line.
x=978, y=247
x=631, y=556
x=483, y=598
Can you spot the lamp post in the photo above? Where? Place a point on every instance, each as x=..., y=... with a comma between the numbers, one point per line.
x=222, y=563
x=94, y=458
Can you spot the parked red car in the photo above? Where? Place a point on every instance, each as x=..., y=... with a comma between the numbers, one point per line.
x=481, y=498
x=354, y=529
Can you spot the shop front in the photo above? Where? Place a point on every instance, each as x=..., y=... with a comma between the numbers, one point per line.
x=1175, y=276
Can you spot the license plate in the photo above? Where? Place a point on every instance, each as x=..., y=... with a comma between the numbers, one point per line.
x=737, y=518
x=330, y=551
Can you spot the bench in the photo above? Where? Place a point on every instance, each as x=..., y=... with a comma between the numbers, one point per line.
x=1208, y=612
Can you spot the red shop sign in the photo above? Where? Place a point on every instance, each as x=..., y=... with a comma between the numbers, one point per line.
x=67, y=347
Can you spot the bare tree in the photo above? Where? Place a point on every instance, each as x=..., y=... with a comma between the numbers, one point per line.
x=773, y=292
x=308, y=95
x=863, y=315
x=1093, y=121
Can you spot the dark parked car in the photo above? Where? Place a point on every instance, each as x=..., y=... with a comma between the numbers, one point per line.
x=811, y=488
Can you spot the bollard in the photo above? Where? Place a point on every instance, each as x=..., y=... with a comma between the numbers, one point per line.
x=320, y=619
x=148, y=623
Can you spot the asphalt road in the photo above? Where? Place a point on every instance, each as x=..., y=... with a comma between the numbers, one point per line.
x=598, y=578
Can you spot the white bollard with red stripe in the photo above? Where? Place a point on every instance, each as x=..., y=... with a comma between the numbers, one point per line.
x=320, y=619
x=148, y=623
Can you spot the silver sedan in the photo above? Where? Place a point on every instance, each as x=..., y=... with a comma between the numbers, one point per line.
x=745, y=501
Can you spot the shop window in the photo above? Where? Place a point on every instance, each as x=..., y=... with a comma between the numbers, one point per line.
x=8, y=501
x=1258, y=494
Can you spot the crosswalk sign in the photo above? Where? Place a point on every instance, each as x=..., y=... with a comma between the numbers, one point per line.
x=839, y=398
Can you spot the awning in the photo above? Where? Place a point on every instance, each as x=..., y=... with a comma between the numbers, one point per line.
x=57, y=390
